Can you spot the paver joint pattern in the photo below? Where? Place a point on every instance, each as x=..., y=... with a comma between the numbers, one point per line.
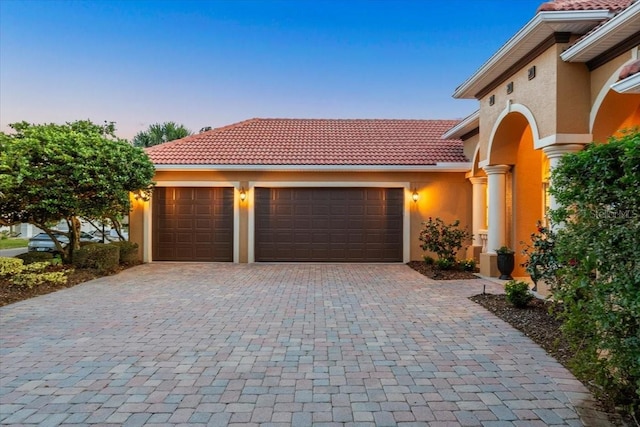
x=275, y=345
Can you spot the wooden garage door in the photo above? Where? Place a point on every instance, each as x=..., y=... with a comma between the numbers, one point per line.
x=192, y=224
x=329, y=224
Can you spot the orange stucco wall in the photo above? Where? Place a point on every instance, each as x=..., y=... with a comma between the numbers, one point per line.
x=442, y=194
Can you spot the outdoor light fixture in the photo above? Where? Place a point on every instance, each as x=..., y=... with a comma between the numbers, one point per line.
x=243, y=195
x=415, y=196
x=142, y=195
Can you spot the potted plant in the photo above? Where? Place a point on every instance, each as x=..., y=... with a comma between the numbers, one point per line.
x=506, y=262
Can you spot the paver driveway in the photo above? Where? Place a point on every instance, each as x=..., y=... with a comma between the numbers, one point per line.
x=286, y=344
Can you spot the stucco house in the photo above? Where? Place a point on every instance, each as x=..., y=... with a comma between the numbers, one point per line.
x=568, y=77
x=302, y=190
x=344, y=190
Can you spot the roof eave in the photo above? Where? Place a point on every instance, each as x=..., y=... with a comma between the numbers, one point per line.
x=437, y=167
x=542, y=26
x=629, y=85
x=616, y=30
x=468, y=124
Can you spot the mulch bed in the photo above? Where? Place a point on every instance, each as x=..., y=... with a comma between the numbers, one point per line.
x=10, y=294
x=433, y=273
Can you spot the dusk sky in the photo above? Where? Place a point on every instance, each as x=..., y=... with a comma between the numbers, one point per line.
x=213, y=63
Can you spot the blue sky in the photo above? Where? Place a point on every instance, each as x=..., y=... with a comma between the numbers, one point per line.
x=213, y=63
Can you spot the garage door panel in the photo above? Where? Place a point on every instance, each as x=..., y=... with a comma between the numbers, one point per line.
x=329, y=224
x=192, y=224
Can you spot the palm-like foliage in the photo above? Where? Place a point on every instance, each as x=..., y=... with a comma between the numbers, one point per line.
x=159, y=133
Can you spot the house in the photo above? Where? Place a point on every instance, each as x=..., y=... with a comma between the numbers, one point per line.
x=342, y=190
x=568, y=77
x=302, y=190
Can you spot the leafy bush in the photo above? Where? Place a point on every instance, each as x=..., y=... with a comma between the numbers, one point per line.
x=445, y=264
x=467, y=264
x=103, y=258
x=29, y=275
x=444, y=240
x=598, y=281
x=31, y=257
x=10, y=266
x=504, y=250
x=128, y=252
x=541, y=258
x=518, y=293
x=428, y=260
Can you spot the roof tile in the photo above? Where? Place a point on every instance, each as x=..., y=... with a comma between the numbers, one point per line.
x=315, y=142
x=567, y=5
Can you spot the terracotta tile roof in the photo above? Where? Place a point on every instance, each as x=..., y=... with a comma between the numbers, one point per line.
x=629, y=70
x=315, y=142
x=567, y=5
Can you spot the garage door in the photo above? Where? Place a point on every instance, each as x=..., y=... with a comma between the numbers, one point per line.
x=329, y=224
x=192, y=224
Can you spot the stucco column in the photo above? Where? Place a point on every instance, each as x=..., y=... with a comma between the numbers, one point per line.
x=554, y=153
x=496, y=177
x=479, y=207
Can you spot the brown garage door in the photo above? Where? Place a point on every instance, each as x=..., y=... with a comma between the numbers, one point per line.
x=192, y=224
x=329, y=224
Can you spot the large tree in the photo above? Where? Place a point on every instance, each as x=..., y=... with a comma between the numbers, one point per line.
x=52, y=172
x=160, y=132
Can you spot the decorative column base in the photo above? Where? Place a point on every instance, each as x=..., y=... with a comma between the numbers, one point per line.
x=489, y=265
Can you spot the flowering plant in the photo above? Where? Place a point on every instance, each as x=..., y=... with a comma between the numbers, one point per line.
x=442, y=239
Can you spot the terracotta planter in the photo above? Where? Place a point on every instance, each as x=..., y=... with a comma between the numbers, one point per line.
x=506, y=264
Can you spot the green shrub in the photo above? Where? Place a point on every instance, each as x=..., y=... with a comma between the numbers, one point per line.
x=467, y=264
x=443, y=240
x=103, y=258
x=31, y=257
x=518, y=293
x=428, y=260
x=128, y=252
x=30, y=275
x=10, y=266
x=598, y=278
x=445, y=264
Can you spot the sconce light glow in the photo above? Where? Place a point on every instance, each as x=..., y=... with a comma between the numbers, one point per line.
x=415, y=196
x=142, y=195
x=243, y=195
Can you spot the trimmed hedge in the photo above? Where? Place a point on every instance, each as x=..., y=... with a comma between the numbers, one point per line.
x=128, y=252
x=31, y=257
x=104, y=258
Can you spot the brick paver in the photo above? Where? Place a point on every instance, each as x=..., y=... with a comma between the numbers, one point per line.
x=286, y=344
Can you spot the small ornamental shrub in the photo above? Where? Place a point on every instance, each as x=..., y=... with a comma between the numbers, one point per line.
x=10, y=266
x=445, y=264
x=467, y=264
x=103, y=258
x=31, y=257
x=518, y=293
x=541, y=258
x=443, y=240
x=30, y=275
x=128, y=252
x=504, y=250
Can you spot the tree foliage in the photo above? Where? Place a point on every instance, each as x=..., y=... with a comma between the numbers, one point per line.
x=159, y=133
x=598, y=248
x=52, y=172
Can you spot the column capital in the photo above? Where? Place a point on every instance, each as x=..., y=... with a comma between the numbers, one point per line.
x=478, y=180
x=559, y=150
x=496, y=169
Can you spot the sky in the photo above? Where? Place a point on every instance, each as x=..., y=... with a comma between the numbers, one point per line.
x=213, y=63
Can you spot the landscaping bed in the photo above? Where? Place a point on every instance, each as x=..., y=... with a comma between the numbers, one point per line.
x=432, y=272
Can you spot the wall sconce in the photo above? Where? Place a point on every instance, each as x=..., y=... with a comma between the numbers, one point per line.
x=415, y=196
x=510, y=87
x=142, y=195
x=243, y=195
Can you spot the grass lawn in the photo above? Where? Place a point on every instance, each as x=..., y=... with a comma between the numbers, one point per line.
x=13, y=243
